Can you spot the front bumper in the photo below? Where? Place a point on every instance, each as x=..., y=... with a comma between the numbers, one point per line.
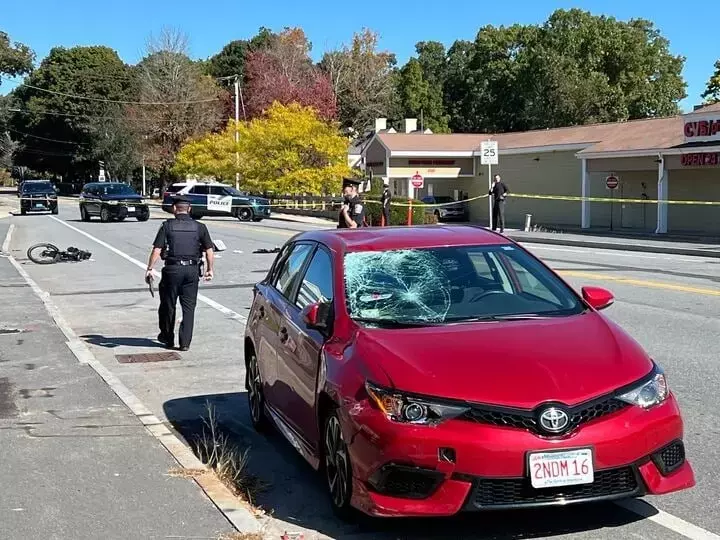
x=37, y=204
x=128, y=209
x=401, y=470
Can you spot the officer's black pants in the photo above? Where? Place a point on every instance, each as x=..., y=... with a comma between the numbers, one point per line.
x=386, y=215
x=178, y=282
x=498, y=215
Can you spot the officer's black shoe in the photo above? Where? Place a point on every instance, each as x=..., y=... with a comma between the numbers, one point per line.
x=165, y=341
x=184, y=348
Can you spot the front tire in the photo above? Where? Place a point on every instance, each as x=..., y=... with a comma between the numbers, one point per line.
x=55, y=210
x=337, y=467
x=144, y=215
x=43, y=253
x=256, y=397
x=84, y=214
x=104, y=214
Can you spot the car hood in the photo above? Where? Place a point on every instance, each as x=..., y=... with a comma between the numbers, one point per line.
x=130, y=197
x=511, y=363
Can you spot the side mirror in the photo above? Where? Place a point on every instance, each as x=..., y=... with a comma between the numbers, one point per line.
x=597, y=297
x=318, y=317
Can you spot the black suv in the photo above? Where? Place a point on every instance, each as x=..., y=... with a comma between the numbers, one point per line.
x=38, y=196
x=112, y=201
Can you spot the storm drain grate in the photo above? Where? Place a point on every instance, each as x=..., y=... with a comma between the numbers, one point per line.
x=146, y=358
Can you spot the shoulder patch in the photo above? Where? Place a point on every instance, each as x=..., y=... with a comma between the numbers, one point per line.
x=358, y=208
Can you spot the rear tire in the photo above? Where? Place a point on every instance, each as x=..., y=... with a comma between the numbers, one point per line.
x=34, y=252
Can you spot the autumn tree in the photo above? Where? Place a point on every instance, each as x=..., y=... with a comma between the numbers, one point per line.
x=363, y=81
x=15, y=58
x=289, y=149
x=231, y=60
x=712, y=92
x=177, y=101
x=283, y=72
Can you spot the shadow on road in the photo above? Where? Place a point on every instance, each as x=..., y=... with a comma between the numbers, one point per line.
x=113, y=342
x=297, y=493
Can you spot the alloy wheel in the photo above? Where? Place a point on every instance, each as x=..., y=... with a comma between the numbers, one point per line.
x=245, y=214
x=337, y=464
x=256, y=400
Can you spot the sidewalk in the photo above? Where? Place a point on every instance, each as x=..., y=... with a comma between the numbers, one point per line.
x=76, y=463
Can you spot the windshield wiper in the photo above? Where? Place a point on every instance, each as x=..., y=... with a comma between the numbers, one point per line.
x=396, y=324
x=509, y=317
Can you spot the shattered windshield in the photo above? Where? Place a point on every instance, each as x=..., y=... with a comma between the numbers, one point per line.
x=452, y=284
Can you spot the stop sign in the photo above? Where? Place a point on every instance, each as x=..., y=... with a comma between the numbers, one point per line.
x=417, y=180
x=612, y=182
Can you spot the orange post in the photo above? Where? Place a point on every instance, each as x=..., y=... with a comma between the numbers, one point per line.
x=409, y=212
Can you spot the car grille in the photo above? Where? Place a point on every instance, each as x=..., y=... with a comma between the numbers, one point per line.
x=670, y=458
x=609, y=483
x=524, y=419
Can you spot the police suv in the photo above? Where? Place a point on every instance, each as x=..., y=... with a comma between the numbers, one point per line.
x=215, y=199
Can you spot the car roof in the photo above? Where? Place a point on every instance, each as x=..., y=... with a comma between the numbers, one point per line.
x=403, y=237
x=107, y=184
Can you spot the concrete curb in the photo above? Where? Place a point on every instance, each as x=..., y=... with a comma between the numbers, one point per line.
x=595, y=244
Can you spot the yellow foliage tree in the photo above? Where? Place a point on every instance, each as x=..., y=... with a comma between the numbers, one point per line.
x=288, y=150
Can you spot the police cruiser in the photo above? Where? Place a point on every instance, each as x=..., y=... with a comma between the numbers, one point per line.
x=216, y=199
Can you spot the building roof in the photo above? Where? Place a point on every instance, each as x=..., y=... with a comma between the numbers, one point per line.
x=629, y=136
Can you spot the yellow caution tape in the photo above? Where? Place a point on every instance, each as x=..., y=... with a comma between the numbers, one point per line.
x=606, y=199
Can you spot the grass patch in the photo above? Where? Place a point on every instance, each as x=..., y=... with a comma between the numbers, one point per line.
x=179, y=472
x=230, y=463
x=240, y=536
x=541, y=229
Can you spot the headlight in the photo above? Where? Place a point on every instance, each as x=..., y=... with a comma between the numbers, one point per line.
x=649, y=394
x=411, y=410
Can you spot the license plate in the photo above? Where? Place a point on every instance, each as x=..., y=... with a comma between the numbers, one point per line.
x=39, y=205
x=131, y=208
x=563, y=468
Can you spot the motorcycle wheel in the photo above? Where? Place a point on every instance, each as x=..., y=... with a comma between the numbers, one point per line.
x=43, y=253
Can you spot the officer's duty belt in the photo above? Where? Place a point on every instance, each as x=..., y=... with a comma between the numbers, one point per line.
x=183, y=262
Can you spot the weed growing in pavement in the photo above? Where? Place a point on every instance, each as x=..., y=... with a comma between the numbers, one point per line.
x=240, y=536
x=216, y=450
x=541, y=229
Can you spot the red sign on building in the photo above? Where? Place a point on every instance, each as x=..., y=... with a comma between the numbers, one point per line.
x=702, y=128
x=700, y=159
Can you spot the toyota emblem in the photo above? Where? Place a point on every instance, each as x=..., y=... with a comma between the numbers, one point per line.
x=554, y=420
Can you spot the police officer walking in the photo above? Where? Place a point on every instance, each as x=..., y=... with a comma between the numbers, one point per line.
x=181, y=243
x=498, y=192
x=352, y=213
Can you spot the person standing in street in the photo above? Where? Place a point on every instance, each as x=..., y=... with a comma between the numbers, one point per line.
x=385, y=200
x=498, y=192
x=181, y=242
x=352, y=213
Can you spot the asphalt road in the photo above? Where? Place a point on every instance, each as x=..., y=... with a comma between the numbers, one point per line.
x=671, y=304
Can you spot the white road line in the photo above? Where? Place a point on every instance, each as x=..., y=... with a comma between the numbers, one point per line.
x=608, y=252
x=212, y=303
x=8, y=236
x=675, y=524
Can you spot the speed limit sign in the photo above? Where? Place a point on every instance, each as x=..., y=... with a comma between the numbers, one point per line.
x=489, y=153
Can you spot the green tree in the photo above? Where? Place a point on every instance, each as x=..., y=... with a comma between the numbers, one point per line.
x=57, y=109
x=15, y=58
x=574, y=69
x=712, y=92
x=231, y=59
x=420, y=98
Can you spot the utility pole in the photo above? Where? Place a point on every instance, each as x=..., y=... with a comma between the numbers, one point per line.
x=144, y=190
x=237, y=131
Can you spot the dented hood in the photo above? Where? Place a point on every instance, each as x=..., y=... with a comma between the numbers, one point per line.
x=512, y=363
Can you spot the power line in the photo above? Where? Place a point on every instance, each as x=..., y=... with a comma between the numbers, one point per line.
x=45, y=138
x=75, y=115
x=120, y=102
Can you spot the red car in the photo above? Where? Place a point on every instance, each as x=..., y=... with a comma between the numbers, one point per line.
x=438, y=369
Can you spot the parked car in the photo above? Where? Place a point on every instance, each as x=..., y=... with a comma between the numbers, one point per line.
x=112, y=201
x=37, y=196
x=215, y=199
x=451, y=210
x=434, y=370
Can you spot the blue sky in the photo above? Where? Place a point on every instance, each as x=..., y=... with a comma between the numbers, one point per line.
x=126, y=24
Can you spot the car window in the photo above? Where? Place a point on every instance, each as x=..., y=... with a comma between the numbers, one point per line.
x=317, y=285
x=174, y=188
x=218, y=190
x=448, y=284
x=289, y=271
x=199, y=190
x=37, y=187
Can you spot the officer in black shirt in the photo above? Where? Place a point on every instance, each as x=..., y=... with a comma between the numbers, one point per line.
x=352, y=213
x=385, y=201
x=498, y=192
x=181, y=243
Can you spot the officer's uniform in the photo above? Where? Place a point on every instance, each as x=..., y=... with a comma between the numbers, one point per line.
x=385, y=200
x=356, y=207
x=185, y=241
